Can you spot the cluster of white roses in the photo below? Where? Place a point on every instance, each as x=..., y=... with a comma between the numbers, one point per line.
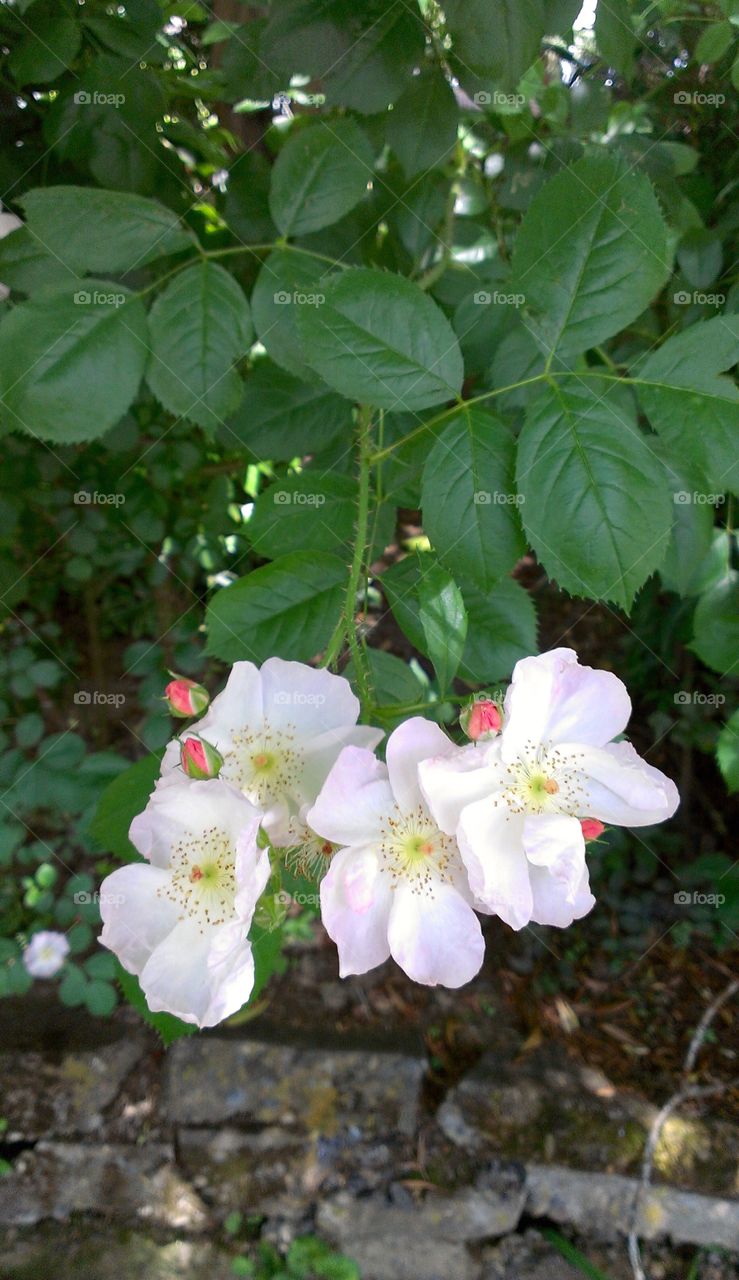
x=407, y=851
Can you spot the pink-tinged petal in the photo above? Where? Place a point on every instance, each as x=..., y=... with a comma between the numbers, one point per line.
x=354, y=800
x=313, y=700
x=435, y=936
x=619, y=787
x=451, y=782
x=553, y=699
x=197, y=975
x=490, y=841
x=137, y=913
x=322, y=752
x=551, y=906
x=355, y=907
x=413, y=741
x=554, y=841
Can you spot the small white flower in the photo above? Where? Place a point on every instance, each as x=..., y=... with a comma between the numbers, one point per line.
x=279, y=730
x=516, y=804
x=181, y=922
x=45, y=954
x=397, y=886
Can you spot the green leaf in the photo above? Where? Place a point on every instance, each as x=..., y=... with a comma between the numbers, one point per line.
x=592, y=252
x=124, y=798
x=693, y=408
x=727, y=753
x=286, y=278
x=499, y=38
x=166, y=1025
x=392, y=682
x=444, y=621
x=73, y=986
x=251, y=71
x=714, y=42
x=92, y=230
x=71, y=363
x=716, y=625
x=614, y=35
x=597, y=509
x=48, y=49
x=100, y=998
x=379, y=339
x=281, y=417
x=501, y=622
x=501, y=629
x=376, y=63
x=287, y=609
x=312, y=511
x=247, y=198
x=29, y=730
x=469, y=500
x=422, y=128
x=690, y=544
x=200, y=326
x=25, y=265
x=320, y=174
x=700, y=256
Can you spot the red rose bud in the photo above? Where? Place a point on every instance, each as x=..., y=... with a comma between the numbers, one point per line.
x=591, y=828
x=481, y=719
x=186, y=698
x=199, y=758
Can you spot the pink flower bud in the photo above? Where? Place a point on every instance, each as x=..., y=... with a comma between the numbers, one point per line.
x=199, y=758
x=481, y=719
x=591, y=828
x=186, y=698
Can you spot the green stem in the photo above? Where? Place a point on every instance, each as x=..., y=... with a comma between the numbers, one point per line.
x=547, y=375
x=345, y=628
x=267, y=248
x=447, y=413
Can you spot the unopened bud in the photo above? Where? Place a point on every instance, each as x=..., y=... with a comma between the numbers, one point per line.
x=186, y=698
x=199, y=758
x=481, y=719
x=591, y=828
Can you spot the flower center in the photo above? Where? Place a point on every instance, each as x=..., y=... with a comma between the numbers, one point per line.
x=311, y=857
x=265, y=764
x=541, y=781
x=203, y=882
x=414, y=851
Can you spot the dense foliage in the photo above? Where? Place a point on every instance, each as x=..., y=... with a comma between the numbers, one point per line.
x=301, y=283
